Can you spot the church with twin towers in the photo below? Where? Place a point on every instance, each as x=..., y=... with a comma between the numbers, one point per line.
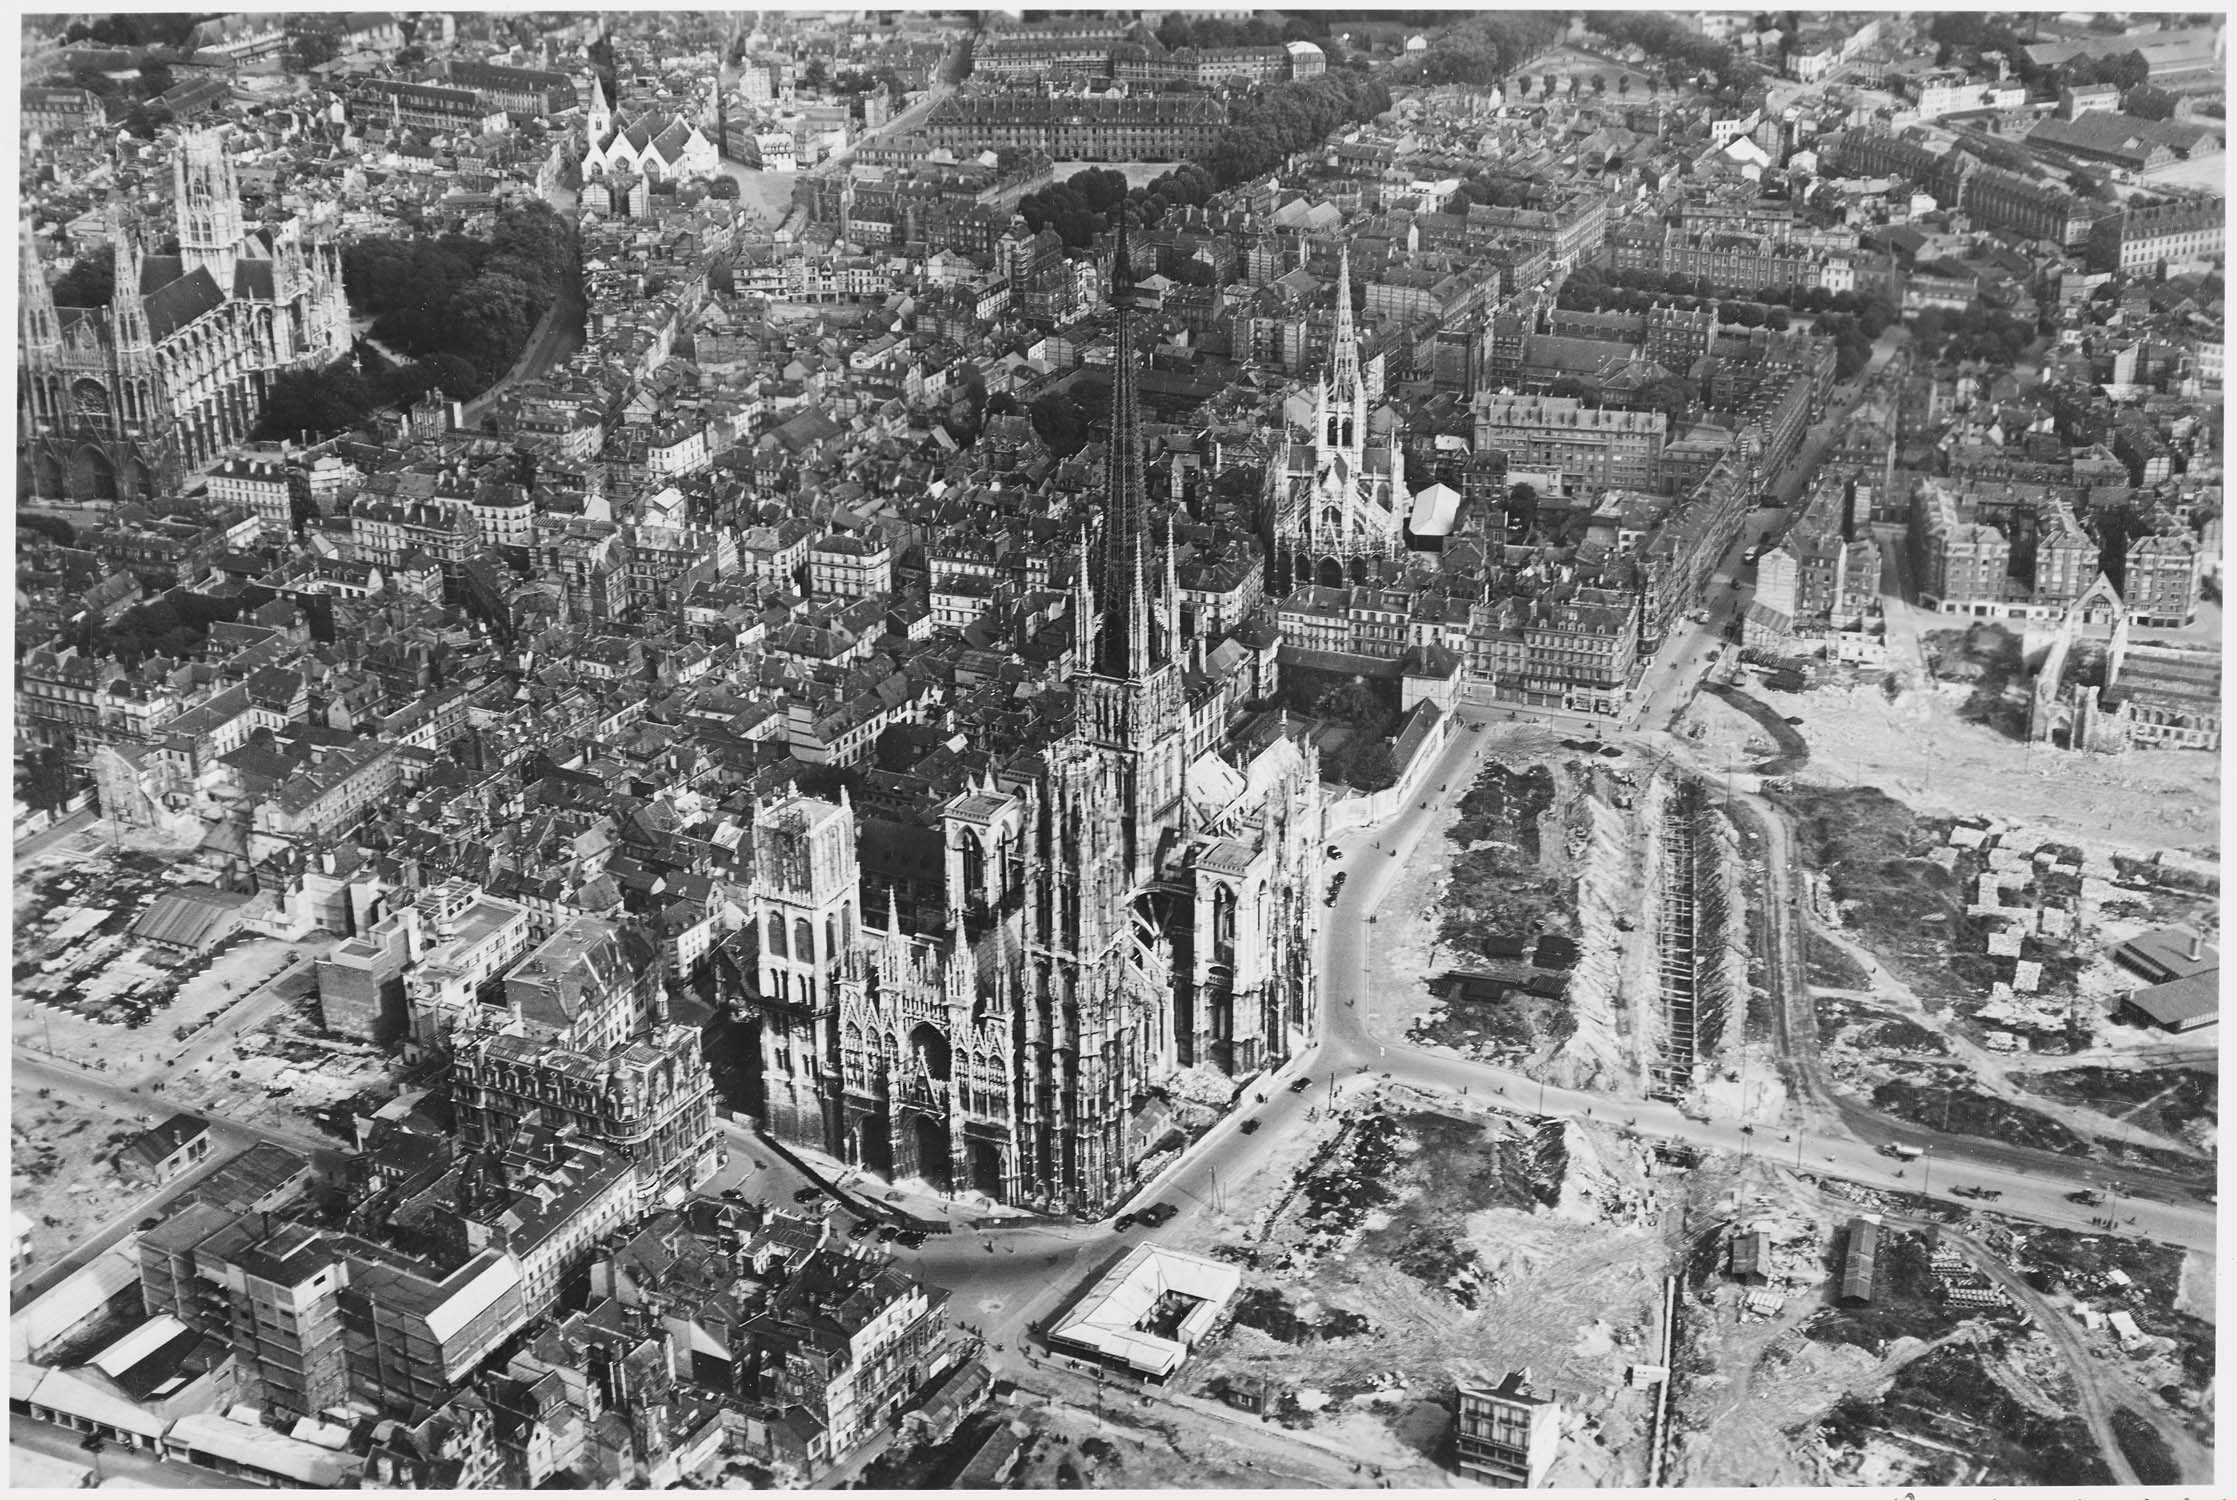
x=1108, y=925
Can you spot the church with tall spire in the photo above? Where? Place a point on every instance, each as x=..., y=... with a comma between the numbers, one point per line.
x=1127, y=697
x=1336, y=496
x=1109, y=929
x=119, y=402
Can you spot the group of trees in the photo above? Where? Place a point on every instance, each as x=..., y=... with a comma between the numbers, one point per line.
x=858, y=81
x=1484, y=49
x=2148, y=103
x=1180, y=29
x=91, y=281
x=1364, y=760
x=464, y=306
x=142, y=30
x=53, y=528
x=1596, y=297
x=2125, y=71
x=1079, y=208
x=1288, y=117
x=1591, y=288
x=1493, y=190
x=1596, y=82
x=174, y=625
x=1063, y=419
x=1966, y=35
x=1662, y=35
x=341, y=395
x=1975, y=332
x=1852, y=343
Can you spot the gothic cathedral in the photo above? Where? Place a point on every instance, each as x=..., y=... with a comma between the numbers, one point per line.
x=1108, y=926
x=1337, y=499
x=118, y=403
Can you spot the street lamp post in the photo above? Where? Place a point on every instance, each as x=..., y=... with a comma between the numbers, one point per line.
x=1926, y=1173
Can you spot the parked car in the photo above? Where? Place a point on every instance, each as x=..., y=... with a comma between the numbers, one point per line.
x=1301, y=1085
x=1250, y=1126
x=1157, y=1213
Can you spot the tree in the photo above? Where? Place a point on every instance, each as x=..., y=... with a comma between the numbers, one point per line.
x=1373, y=768
x=90, y=282
x=2149, y=104
x=723, y=189
x=54, y=528
x=319, y=402
x=1060, y=423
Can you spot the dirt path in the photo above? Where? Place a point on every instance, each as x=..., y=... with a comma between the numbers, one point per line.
x=1991, y=1070
x=2094, y=1402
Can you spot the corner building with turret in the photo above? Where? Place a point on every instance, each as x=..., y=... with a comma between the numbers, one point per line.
x=1111, y=926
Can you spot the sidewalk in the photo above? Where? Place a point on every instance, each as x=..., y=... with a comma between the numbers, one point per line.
x=870, y=1196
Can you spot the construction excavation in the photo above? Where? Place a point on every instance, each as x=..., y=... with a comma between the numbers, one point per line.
x=1600, y=921
x=1700, y=928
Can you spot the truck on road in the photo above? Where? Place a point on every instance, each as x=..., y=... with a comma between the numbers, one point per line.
x=1902, y=1153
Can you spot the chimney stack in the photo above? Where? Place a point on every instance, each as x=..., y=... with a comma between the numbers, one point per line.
x=2197, y=946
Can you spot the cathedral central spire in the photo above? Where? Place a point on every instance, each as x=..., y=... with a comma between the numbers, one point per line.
x=1132, y=637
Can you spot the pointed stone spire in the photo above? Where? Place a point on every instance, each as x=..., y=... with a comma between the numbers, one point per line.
x=892, y=912
x=1343, y=348
x=1083, y=604
x=41, y=324
x=1345, y=334
x=128, y=311
x=1169, y=601
x=1123, y=643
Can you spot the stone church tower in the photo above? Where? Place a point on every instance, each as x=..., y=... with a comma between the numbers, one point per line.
x=1338, y=498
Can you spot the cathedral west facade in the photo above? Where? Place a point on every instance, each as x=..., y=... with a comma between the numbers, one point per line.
x=119, y=402
x=1105, y=916
x=1336, y=496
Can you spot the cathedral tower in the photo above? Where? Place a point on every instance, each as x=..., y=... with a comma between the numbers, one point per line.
x=806, y=899
x=209, y=206
x=1128, y=699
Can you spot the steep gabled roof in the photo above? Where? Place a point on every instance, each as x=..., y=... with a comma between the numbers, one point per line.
x=189, y=297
